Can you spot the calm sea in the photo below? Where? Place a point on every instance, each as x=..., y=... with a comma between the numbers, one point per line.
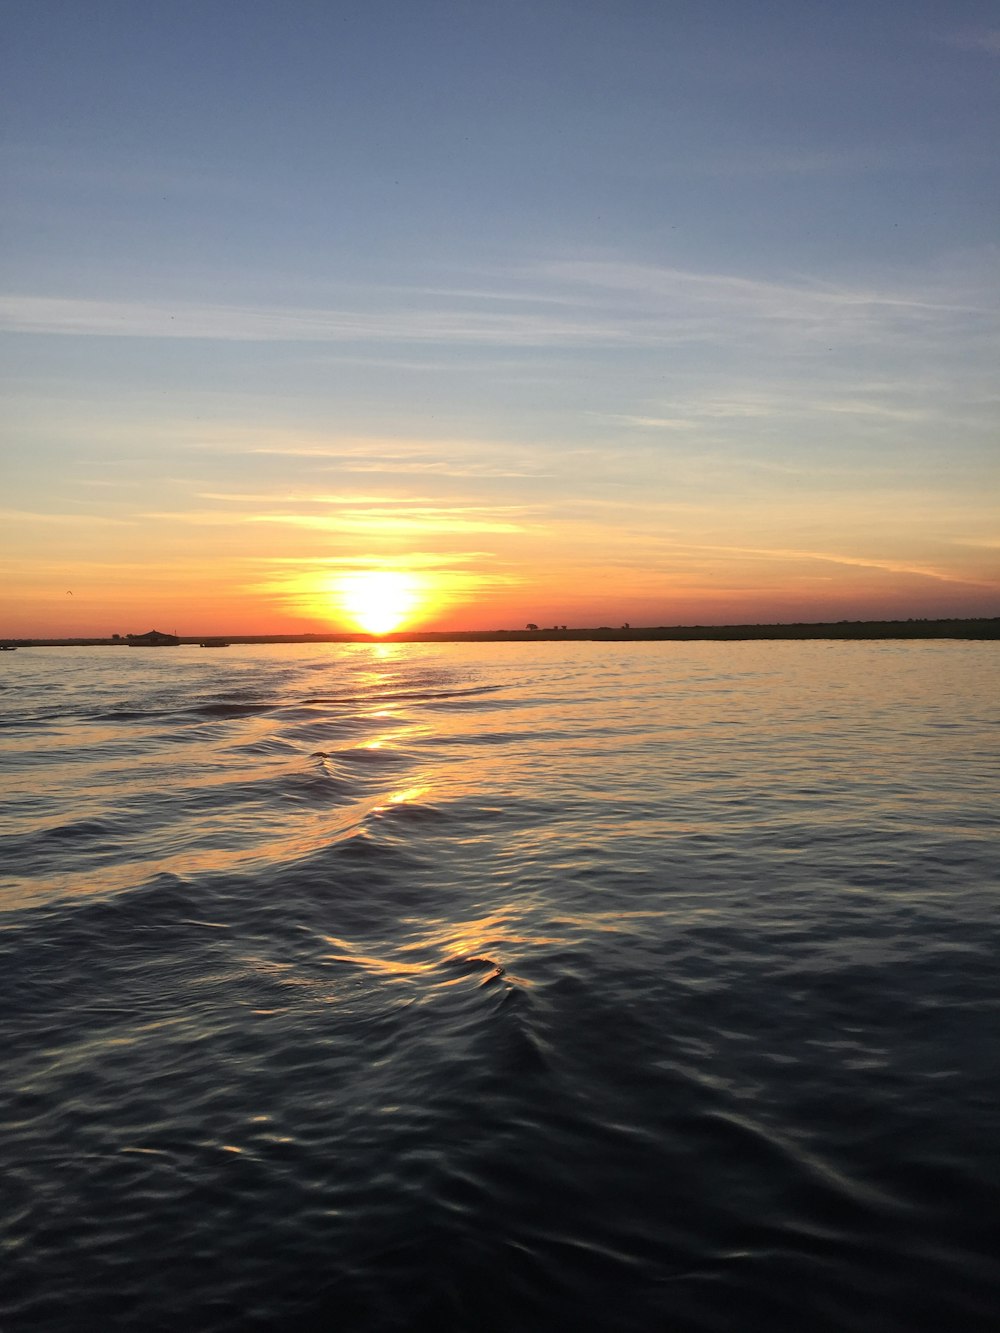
x=501, y=987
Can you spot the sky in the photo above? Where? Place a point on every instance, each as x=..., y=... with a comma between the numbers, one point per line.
x=565, y=312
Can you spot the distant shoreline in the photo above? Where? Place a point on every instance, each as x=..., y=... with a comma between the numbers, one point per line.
x=977, y=628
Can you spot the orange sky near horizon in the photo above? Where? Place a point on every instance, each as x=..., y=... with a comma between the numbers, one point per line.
x=308, y=568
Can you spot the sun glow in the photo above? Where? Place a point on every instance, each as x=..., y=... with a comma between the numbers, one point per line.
x=379, y=601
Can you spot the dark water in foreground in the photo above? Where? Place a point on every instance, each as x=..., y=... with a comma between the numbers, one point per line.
x=639, y=987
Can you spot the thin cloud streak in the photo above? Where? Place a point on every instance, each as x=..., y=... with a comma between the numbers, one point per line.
x=125, y=319
x=776, y=299
x=440, y=458
x=305, y=498
x=980, y=40
x=662, y=307
x=37, y=516
x=441, y=521
x=366, y=560
x=861, y=562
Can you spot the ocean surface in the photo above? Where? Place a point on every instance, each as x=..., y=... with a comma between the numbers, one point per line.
x=501, y=987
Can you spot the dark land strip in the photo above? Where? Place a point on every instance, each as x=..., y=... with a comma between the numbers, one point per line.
x=980, y=628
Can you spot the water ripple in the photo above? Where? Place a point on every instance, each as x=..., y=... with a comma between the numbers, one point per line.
x=632, y=986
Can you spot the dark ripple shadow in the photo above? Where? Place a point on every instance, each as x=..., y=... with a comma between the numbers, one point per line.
x=414, y=694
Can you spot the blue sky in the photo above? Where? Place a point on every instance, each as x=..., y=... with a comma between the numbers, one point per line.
x=654, y=311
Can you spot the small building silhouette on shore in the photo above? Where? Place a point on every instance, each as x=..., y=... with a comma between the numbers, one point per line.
x=153, y=638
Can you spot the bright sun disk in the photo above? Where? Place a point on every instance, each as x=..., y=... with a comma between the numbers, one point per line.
x=378, y=601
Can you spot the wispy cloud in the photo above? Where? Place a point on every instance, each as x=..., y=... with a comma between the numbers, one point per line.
x=714, y=406
x=379, y=559
x=986, y=40
x=858, y=561
x=395, y=455
x=107, y=483
x=39, y=516
x=128, y=319
x=764, y=160
x=437, y=467
x=478, y=459
x=307, y=498
x=689, y=292
x=373, y=520
x=653, y=423
x=601, y=303
x=414, y=523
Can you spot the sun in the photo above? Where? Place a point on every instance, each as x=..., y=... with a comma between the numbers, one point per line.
x=378, y=600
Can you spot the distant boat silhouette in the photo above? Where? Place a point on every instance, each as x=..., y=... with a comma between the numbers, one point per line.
x=214, y=643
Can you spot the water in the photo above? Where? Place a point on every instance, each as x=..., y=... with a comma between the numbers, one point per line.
x=500, y=987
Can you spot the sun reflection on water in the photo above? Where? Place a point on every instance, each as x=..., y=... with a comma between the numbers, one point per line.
x=403, y=797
